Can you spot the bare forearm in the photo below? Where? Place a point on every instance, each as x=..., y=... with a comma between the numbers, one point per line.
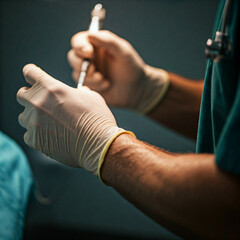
x=179, y=110
x=181, y=192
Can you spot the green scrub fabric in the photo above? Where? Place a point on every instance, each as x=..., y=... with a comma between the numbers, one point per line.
x=219, y=121
x=15, y=186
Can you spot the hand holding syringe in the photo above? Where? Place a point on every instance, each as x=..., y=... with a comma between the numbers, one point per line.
x=97, y=18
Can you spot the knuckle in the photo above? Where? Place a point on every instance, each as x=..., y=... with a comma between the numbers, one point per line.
x=36, y=104
x=107, y=32
x=125, y=44
x=40, y=77
x=19, y=93
x=72, y=58
x=36, y=120
x=25, y=137
x=51, y=90
x=33, y=105
x=69, y=55
x=20, y=118
x=19, y=98
x=73, y=39
x=78, y=38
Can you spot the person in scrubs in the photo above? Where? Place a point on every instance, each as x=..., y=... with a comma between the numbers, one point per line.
x=194, y=195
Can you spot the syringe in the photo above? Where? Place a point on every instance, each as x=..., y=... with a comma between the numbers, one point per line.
x=97, y=17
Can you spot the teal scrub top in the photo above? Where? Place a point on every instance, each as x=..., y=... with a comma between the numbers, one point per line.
x=219, y=121
x=15, y=186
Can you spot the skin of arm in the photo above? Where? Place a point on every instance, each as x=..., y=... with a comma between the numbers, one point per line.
x=179, y=109
x=186, y=193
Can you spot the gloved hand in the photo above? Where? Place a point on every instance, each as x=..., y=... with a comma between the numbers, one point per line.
x=118, y=73
x=72, y=126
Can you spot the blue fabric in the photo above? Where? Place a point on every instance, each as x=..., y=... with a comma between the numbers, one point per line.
x=15, y=185
x=219, y=123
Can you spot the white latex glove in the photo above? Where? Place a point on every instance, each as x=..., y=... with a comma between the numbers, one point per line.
x=118, y=73
x=72, y=126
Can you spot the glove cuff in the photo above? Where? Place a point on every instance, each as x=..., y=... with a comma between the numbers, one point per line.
x=156, y=91
x=105, y=150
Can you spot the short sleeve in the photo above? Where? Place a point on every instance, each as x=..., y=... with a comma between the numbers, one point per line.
x=228, y=147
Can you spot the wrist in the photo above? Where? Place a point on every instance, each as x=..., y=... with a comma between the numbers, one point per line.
x=115, y=144
x=153, y=87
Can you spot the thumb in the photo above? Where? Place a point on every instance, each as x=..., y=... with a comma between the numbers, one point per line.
x=108, y=40
x=33, y=74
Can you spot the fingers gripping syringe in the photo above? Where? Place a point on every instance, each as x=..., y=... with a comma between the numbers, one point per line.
x=97, y=17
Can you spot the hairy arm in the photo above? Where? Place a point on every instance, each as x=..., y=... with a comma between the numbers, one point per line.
x=179, y=109
x=179, y=191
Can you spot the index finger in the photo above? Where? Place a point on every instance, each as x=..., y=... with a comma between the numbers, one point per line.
x=32, y=74
x=81, y=45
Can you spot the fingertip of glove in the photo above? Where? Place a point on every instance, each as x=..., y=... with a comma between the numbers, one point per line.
x=27, y=68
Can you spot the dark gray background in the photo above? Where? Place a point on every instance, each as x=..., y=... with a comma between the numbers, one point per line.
x=170, y=34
